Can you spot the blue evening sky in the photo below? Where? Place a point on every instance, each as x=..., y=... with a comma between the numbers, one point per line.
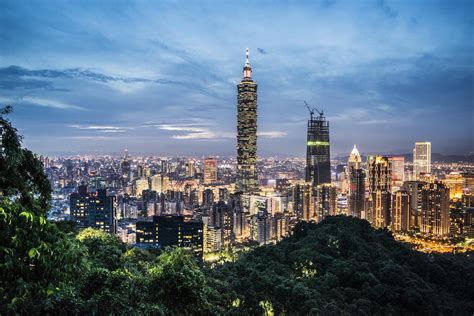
x=159, y=77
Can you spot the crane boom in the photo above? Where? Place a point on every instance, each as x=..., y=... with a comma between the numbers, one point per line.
x=311, y=111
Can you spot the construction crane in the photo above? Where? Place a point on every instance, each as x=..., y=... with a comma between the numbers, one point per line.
x=311, y=111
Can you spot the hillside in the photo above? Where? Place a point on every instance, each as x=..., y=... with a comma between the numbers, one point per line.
x=344, y=266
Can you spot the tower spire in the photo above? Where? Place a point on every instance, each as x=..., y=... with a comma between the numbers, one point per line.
x=247, y=69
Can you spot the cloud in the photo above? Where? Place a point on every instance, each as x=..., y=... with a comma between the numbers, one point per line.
x=376, y=121
x=272, y=134
x=101, y=128
x=93, y=138
x=48, y=103
x=190, y=131
x=12, y=77
x=51, y=103
x=378, y=114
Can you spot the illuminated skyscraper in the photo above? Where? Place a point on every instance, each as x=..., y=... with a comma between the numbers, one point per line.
x=356, y=178
x=435, y=209
x=247, y=178
x=325, y=201
x=355, y=160
x=400, y=217
x=95, y=210
x=303, y=201
x=356, y=199
x=318, y=164
x=421, y=159
x=381, y=204
x=380, y=187
x=414, y=189
x=170, y=231
x=190, y=169
x=210, y=170
x=380, y=174
x=398, y=171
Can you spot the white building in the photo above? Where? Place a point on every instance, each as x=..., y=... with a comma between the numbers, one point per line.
x=421, y=159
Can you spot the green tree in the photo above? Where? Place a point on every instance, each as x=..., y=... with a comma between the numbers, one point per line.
x=103, y=250
x=179, y=283
x=36, y=259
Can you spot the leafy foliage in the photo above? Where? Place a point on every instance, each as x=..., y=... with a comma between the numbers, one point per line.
x=343, y=266
x=36, y=259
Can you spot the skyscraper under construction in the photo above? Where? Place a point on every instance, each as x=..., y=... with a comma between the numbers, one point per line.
x=318, y=164
x=247, y=178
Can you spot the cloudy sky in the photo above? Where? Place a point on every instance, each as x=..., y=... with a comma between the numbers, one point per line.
x=159, y=76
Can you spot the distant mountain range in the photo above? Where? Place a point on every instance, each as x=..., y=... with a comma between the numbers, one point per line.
x=435, y=157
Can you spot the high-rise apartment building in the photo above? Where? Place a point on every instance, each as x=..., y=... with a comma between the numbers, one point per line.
x=318, y=163
x=355, y=176
x=95, y=210
x=325, y=197
x=261, y=227
x=380, y=174
x=125, y=169
x=190, y=170
x=172, y=230
x=101, y=212
x=247, y=177
x=435, y=209
x=421, y=159
x=78, y=205
x=400, y=217
x=398, y=171
x=455, y=181
x=414, y=189
x=380, y=187
x=210, y=170
x=356, y=198
x=221, y=216
x=381, y=204
x=160, y=183
x=303, y=201
x=141, y=185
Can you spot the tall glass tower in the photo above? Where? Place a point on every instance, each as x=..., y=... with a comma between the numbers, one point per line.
x=318, y=164
x=421, y=159
x=247, y=178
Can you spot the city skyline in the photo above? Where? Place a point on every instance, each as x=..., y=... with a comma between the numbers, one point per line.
x=157, y=79
x=152, y=157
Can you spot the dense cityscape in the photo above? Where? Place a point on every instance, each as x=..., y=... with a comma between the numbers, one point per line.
x=218, y=204
x=151, y=164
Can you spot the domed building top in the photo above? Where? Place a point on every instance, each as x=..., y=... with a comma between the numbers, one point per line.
x=355, y=158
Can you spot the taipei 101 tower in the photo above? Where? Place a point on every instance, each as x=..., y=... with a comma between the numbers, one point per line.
x=247, y=178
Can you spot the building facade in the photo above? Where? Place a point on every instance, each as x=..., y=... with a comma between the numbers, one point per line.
x=325, y=197
x=96, y=210
x=401, y=212
x=172, y=230
x=435, y=209
x=210, y=170
x=380, y=187
x=421, y=159
x=318, y=161
x=356, y=199
x=247, y=177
